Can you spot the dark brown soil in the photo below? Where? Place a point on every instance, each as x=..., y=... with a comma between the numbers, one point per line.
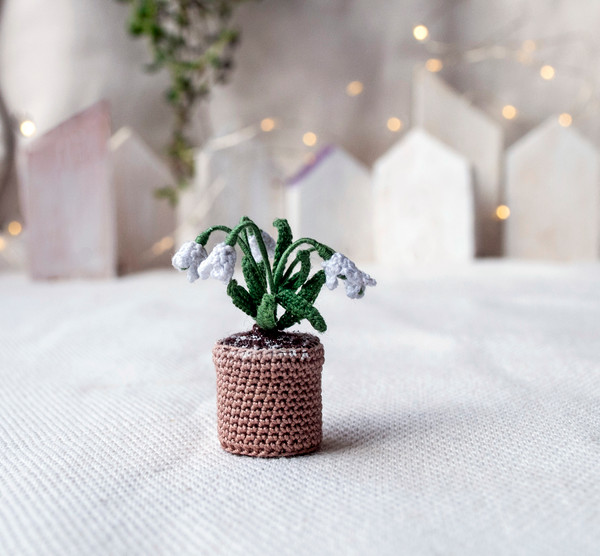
x=257, y=338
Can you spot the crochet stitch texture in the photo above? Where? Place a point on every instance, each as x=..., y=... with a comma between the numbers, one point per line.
x=255, y=249
x=269, y=400
x=220, y=264
x=188, y=257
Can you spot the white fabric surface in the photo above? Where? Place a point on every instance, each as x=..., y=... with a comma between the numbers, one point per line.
x=461, y=416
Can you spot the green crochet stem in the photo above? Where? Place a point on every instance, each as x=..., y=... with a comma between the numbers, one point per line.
x=233, y=238
x=295, y=262
x=295, y=292
x=250, y=259
x=324, y=252
x=203, y=238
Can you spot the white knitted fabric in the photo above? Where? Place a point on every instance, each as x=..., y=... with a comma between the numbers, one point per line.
x=356, y=281
x=220, y=264
x=269, y=242
x=188, y=257
x=461, y=417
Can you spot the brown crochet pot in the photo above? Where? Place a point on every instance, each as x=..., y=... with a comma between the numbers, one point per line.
x=269, y=399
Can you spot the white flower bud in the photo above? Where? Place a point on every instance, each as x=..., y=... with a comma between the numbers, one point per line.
x=188, y=257
x=269, y=244
x=355, y=281
x=220, y=264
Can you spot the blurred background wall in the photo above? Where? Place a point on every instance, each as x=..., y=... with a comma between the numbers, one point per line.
x=297, y=60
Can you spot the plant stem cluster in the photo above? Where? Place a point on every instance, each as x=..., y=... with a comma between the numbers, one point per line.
x=270, y=286
x=284, y=283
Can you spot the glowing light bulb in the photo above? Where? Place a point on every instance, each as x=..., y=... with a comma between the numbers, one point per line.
x=509, y=112
x=420, y=32
x=502, y=212
x=14, y=228
x=565, y=119
x=547, y=72
x=267, y=124
x=394, y=124
x=309, y=139
x=434, y=65
x=2, y=244
x=354, y=88
x=27, y=128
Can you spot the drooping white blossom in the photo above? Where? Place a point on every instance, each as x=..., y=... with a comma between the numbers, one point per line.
x=188, y=257
x=355, y=281
x=220, y=264
x=269, y=244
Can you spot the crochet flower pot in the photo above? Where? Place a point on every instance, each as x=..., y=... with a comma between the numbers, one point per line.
x=269, y=393
x=268, y=381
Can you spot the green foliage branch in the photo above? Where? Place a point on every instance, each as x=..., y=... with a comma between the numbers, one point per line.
x=194, y=40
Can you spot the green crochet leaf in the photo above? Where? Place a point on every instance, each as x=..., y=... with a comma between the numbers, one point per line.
x=287, y=320
x=284, y=239
x=266, y=316
x=309, y=292
x=295, y=281
x=263, y=271
x=241, y=298
x=254, y=275
x=301, y=309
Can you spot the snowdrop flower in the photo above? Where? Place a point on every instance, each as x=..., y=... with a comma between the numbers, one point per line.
x=269, y=244
x=189, y=256
x=220, y=264
x=356, y=280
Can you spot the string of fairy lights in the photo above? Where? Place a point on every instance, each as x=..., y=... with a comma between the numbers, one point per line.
x=522, y=53
x=440, y=55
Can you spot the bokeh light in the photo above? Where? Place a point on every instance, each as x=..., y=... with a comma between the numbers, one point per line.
x=502, y=212
x=509, y=112
x=394, y=124
x=547, y=72
x=267, y=124
x=309, y=139
x=434, y=65
x=565, y=119
x=27, y=128
x=354, y=88
x=420, y=32
x=14, y=228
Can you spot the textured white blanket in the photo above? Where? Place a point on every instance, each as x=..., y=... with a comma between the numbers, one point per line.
x=461, y=416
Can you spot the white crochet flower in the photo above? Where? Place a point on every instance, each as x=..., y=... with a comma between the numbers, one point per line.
x=220, y=264
x=269, y=244
x=356, y=280
x=189, y=257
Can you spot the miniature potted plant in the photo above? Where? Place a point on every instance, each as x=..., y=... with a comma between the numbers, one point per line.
x=268, y=380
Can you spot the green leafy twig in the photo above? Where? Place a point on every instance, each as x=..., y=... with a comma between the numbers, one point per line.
x=194, y=41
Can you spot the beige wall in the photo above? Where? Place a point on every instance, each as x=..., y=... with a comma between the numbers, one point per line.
x=294, y=63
